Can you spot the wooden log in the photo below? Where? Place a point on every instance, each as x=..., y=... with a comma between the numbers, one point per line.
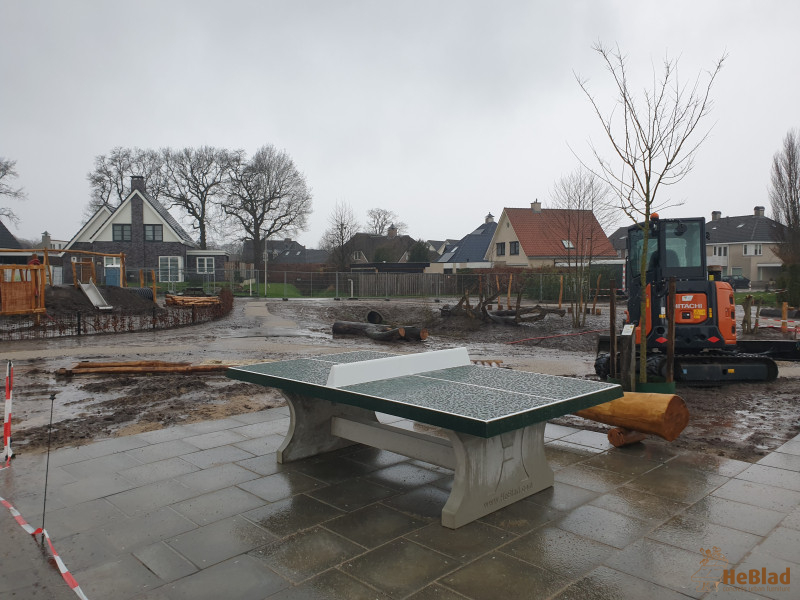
x=664, y=415
x=388, y=335
x=623, y=437
x=130, y=363
x=414, y=333
x=141, y=370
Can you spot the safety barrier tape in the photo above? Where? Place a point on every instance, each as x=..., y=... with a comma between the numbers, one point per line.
x=7, y=452
x=62, y=568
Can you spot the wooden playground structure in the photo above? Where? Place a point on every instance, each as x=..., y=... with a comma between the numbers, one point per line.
x=22, y=286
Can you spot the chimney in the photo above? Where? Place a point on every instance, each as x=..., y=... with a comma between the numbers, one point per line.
x=46, y=243
x=536, y=206
x=759, y=211
x=715, y=215
x=489, y=218
x=391, y=232
x=137, y=183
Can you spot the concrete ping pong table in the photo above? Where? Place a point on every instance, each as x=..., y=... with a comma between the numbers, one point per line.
x=494, y=418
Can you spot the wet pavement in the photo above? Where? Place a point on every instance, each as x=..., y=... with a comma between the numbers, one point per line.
x=205, y=511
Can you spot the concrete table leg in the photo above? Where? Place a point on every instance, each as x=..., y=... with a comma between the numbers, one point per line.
x=310, y=426
x=492, y=473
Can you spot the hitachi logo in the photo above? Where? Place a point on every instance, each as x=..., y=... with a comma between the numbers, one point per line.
x=689, y=305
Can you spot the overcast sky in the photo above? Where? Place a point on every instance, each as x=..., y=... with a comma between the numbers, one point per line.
x=442, y=111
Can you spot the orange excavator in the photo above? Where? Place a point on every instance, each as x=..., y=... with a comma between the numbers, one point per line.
x=707, y=350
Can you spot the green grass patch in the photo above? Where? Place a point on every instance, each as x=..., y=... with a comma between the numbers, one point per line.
x=765, y=298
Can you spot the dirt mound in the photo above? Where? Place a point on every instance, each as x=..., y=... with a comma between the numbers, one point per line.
x=67, y=300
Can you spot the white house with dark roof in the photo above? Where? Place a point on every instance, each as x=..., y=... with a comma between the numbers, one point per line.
x=151, y=239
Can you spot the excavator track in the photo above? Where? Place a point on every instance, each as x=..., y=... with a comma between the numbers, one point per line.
x=706, y=369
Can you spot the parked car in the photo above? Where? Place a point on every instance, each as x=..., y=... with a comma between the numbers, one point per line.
x=738, y=282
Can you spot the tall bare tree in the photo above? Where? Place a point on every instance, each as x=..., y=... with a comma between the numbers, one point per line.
x=654, y=139
x=267, y=195
x=194, y=179
x=784, y=194
x=8, y=171
x=110, y=178
x=380, y=219
x=583, y=200
x=342, y=226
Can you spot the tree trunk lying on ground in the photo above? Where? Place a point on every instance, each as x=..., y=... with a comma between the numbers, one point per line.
x=137, y=367
x=664, y=415
x=528, y=313
x=384, y=333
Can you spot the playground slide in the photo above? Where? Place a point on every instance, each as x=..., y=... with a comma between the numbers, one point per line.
x=94, y=295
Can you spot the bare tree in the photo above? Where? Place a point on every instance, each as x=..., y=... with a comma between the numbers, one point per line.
x=267, y=195
x=584, y=210
x=380, y=219
x=110, y=178
x=194, y=179
x=784, y=195
x=342, y=226
x=8, y=171
x=654, y=139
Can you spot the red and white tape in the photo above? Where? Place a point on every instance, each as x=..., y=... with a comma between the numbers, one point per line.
x=62, y=568
x=7, y=452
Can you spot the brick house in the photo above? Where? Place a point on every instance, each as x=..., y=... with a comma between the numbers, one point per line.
x=150, y=238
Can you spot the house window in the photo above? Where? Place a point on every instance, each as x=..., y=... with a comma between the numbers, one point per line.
x=154, y=233
x=720, y=251
x=501, y=249
x=751, y=250
x=205, y=264
x=121, y=233
x=111, y=262
x=169, y=268
x=567, y=244
x=513, y=248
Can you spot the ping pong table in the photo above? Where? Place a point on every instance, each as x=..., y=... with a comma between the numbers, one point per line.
x=493, y=418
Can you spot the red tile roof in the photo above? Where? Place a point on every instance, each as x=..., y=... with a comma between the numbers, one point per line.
x=541, y=233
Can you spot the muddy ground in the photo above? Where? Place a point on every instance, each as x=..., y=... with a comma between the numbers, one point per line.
x=743, y=421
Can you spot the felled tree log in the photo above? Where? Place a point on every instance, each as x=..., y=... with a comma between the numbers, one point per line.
x=384, y=333
x=664, y=415
x=528, y=313
x=622, y=437
x=139, y=369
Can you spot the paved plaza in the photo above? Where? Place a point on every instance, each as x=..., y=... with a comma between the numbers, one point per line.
x=204, y=511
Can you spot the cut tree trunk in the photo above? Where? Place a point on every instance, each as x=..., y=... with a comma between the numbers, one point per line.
x=384, y=333
x=664, y=415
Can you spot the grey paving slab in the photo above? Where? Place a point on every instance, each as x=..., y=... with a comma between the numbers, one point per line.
x=521, y=517
x=622, y=464
x=167, y=434
x=551, y=430
x=793, y=520
x=758, y=494
x=151, y=496
x=593, y=439
x=604, y=526
x=374, y=456
x=260, y=416
x=720, y=465
x=604, y=583
x=219, y=541
x=654, y=449
x=331, y=585
x=435, y=592
x=780, y=460
x=217, y=505
x=352, y=494
x=403, y=476
x=93, y=487
x=691, y=533
x=213, y=439
x=280, y=485
x=266, y=464
x=201, y=427
x=84, y=550
x=424, y=502
x=562, y=454
x=400, y=568
x=80, y=517
x=744, y=517
x=242, y=578
x=120, y=578
x=499, y=575
x=286, y=517
x=264, y=428
x=374, y=525
x=162, y=560
x=160, y=451
x=216, y=456
x=776, y=477
x=563, y=496
x=104, y=464
x=598, y=480
x=463, y=544
x=641, y=505
x=169, y=468
x=783, y=543
x=661, y=564
x=145, y=529
x=261, y=446
x=560, y=551
x=790, y=447
x=307, y=554
x=215, y=478
x=332, y=470
x=678, y=483
x=760, y=559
